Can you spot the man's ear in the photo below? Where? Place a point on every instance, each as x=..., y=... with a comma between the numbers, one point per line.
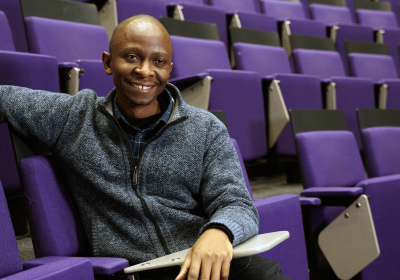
x=172, y=64
x=106, y=57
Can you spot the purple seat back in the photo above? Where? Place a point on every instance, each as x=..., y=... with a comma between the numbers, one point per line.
x=246, y=178
x=283, y=212
x=10, y=261
x=8, y=166
x=207, y=14
x=382, y=150
x=324, y=64
x=29, y=70
x=330, y=14
x=128, y=8
x=197, y=55
x=283, y=9
x=6, y=40
x=265, y=60
x=376, y=18
x=374, y=66
x=12, y=8
x=55, y=224
x=236, y=5
x=329, y=159
x=67, y=41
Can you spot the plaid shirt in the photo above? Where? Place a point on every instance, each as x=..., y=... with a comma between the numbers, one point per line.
x=138, y=138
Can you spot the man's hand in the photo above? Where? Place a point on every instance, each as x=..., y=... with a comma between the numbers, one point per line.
x=210, y=257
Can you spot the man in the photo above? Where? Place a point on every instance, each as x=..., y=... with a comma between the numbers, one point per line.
x=150, y=174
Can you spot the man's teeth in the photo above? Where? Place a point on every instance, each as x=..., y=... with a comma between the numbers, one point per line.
x=141, y=87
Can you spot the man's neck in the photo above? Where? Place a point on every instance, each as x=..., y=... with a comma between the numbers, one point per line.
x=140, y=112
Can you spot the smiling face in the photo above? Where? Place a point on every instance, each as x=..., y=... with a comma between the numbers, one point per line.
x=140, y=62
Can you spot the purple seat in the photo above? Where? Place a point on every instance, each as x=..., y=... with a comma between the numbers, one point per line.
x=78, y=43
x=331, y=159
x=330, y=14
x=128, y=8
x=251, y=6
x=12, y=8
x=341, y=17
x=275, y=65
x=12, y=267
x=237, y=93
x=382, y=70
x=351, y=93
x=376, y=19
x=55, y=224
x=295, y=13
x=382, y=150
x=6, y=40
x=277, y=213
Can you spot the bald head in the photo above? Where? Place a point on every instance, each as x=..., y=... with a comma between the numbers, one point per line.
x=139, y=26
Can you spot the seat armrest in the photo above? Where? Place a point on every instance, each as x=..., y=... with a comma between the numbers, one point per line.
x=67, y=65
x=332, y=191
x=310, y=201
x=186, y=81
x=67, y=268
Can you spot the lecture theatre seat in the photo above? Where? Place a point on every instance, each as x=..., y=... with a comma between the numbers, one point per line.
x=12, y=268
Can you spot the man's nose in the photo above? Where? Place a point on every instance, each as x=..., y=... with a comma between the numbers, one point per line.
x=144, y=69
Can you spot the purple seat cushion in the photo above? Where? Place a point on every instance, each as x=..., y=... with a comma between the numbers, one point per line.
x=382, y=150
x=128, y=8
x=247, y=57
x=70, y=268
x=329, y=159
x=10, y=261
x=376, y=19
x=283, y=9
x=6, y=40
x=283, y=212
x=323, y=64
x=330, y=14
x=239, y=95
x=95, y=77
x=55, y=222
x=192, y=56
x=332, y=191
x=374, y=66
x=76, y=41
x=385, y=209
x=29, y=70
x=101, y=265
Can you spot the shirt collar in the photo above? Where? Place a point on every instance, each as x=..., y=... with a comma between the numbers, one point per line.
x=165, y=95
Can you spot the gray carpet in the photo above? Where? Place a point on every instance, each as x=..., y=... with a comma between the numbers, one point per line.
x=261, y=187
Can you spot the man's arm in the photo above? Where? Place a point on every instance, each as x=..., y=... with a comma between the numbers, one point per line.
x=227, y=202
x=35, y=113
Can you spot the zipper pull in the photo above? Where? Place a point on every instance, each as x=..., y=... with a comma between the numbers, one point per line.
x=135, y=176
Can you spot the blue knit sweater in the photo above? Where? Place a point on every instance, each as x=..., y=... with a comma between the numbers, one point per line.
x=189, y=175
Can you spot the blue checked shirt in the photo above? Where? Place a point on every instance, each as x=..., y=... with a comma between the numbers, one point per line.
x=138, y=138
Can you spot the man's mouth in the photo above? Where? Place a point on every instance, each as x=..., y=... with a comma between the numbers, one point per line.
x=145, y=87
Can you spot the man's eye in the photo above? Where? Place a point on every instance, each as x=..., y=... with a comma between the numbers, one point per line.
x=131, y=56
x=160, y=61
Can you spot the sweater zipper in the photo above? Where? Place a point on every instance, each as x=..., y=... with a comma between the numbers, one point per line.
x=136, y=171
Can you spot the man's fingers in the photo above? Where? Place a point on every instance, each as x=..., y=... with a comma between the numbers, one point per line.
x=194, y=269
x=206, y=266
x=226, y=265
x=185, y=266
